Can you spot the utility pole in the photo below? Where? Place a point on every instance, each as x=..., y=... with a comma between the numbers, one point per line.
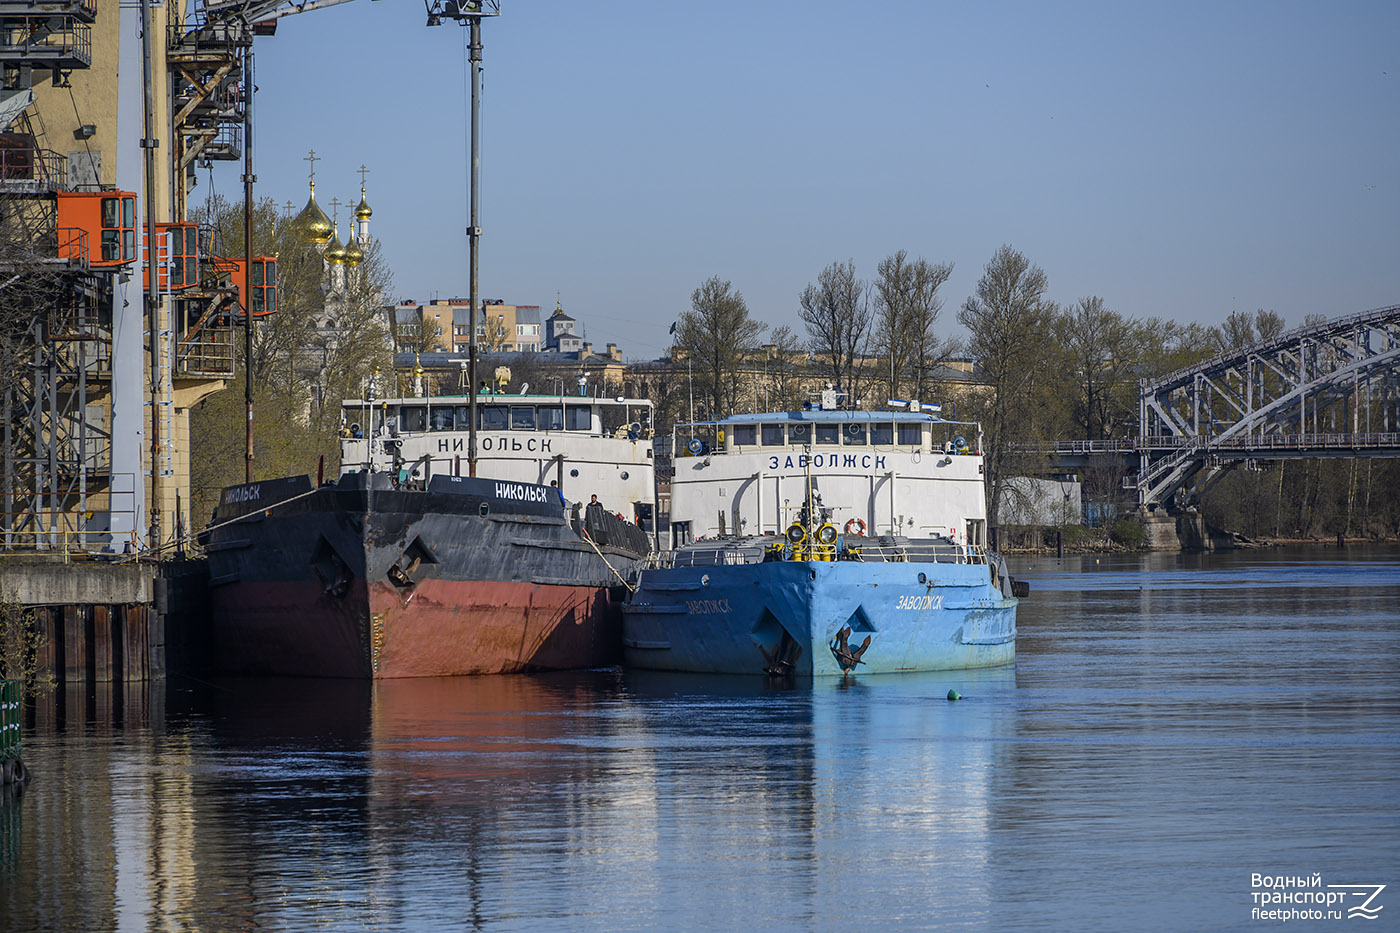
x=473, y=231
x=152, y=293
x=248, y=179
x=470, y=13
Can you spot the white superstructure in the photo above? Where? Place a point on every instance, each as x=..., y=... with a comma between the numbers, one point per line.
x=585, y=446
x=883, y=473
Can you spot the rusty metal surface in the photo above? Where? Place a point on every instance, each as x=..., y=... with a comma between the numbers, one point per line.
x=350, y=581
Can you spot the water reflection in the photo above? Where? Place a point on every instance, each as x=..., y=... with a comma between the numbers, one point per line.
x=1165, y=730
x=595, y=799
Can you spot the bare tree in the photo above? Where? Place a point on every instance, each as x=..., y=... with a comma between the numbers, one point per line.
x=836, y=312
x=1242, y=329
x=1008, y=321
x=1236, y=332
x=1102, y=350
x=1169, y=346
x=907, y=305
x=784, y=362
x=719, y=336
x=1268, y=324
x=494, y=336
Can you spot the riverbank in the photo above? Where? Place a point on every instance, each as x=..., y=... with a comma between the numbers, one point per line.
x=1077, y=539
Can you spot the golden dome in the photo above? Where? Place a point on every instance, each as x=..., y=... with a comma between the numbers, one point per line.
x=353, y=254
x=362, y=211
x=312, y=222
x=334, y=252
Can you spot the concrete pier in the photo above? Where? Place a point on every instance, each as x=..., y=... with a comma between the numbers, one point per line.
x=93, y=621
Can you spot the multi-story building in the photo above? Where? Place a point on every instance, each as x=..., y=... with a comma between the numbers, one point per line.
x=560, y=335
x=527, y=329
x=442, y=326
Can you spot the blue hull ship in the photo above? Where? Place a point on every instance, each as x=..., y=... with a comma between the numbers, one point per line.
x=814, y=617
x=826, y=541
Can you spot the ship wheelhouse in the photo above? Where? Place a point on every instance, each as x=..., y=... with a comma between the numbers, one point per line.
x=898, y=473
x=627, y=418
x=584, y=445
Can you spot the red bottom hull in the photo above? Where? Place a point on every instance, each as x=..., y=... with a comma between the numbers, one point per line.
x=435, y=628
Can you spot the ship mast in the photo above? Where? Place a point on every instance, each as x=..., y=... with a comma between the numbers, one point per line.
x=469, y=13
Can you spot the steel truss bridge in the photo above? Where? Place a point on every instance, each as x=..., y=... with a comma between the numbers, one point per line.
x=1324, y=390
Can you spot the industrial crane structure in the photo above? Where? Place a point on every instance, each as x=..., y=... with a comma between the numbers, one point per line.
x=103, y=359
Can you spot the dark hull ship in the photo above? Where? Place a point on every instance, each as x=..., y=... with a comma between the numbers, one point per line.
x=364, y=578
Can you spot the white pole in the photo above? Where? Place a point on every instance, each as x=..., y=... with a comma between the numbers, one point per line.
x=758, y=492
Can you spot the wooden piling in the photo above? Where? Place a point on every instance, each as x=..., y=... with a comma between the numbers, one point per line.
x=74, y=645
x=101, y=629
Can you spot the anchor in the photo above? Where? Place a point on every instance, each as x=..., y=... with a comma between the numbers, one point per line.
x=781, y=660
x=841, y=650
x=341, y=583
x=400, y=576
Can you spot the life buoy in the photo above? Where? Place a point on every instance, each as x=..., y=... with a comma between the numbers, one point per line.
x=856, y=526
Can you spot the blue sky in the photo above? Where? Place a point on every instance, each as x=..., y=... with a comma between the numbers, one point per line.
x=1180, y=161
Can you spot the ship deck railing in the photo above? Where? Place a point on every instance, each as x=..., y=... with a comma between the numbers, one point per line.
x=740, y=553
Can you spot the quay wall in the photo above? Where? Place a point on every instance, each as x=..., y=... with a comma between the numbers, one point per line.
x=110, y=622
x=56, y=583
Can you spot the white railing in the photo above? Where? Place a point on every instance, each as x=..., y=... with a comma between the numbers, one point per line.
x=740, y=553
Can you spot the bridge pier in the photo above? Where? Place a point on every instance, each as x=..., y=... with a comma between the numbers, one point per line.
x=1181, y=531
x=1160, y=528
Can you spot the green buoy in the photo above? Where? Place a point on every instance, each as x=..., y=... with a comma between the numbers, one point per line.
x=954, y=695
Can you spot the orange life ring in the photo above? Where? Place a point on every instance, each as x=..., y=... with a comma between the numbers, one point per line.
x=858, y=524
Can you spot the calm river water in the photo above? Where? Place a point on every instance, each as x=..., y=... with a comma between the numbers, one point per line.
x=1174, y=724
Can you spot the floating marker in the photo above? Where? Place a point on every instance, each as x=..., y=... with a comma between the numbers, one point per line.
x=954, y=695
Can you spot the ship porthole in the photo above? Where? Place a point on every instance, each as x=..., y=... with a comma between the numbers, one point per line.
x=705, y=579
x=573, y=472
x=624, y=474
x=923, y=578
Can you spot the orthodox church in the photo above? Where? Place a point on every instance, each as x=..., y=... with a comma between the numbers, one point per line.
x=342, y=292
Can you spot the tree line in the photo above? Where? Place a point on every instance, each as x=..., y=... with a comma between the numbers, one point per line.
x=1044, y=371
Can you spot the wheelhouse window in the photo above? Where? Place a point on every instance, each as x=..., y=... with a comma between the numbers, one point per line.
x=579, y=418
x=522, y=417
x=746, y=434
x=413, y=418
x=882, y=434
x=828, y=434
x=773, y=435
x=550, y=419
x=493, y=418
x=910, y=435
x=442, y=419
x=800, y=433
x=853, y=435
